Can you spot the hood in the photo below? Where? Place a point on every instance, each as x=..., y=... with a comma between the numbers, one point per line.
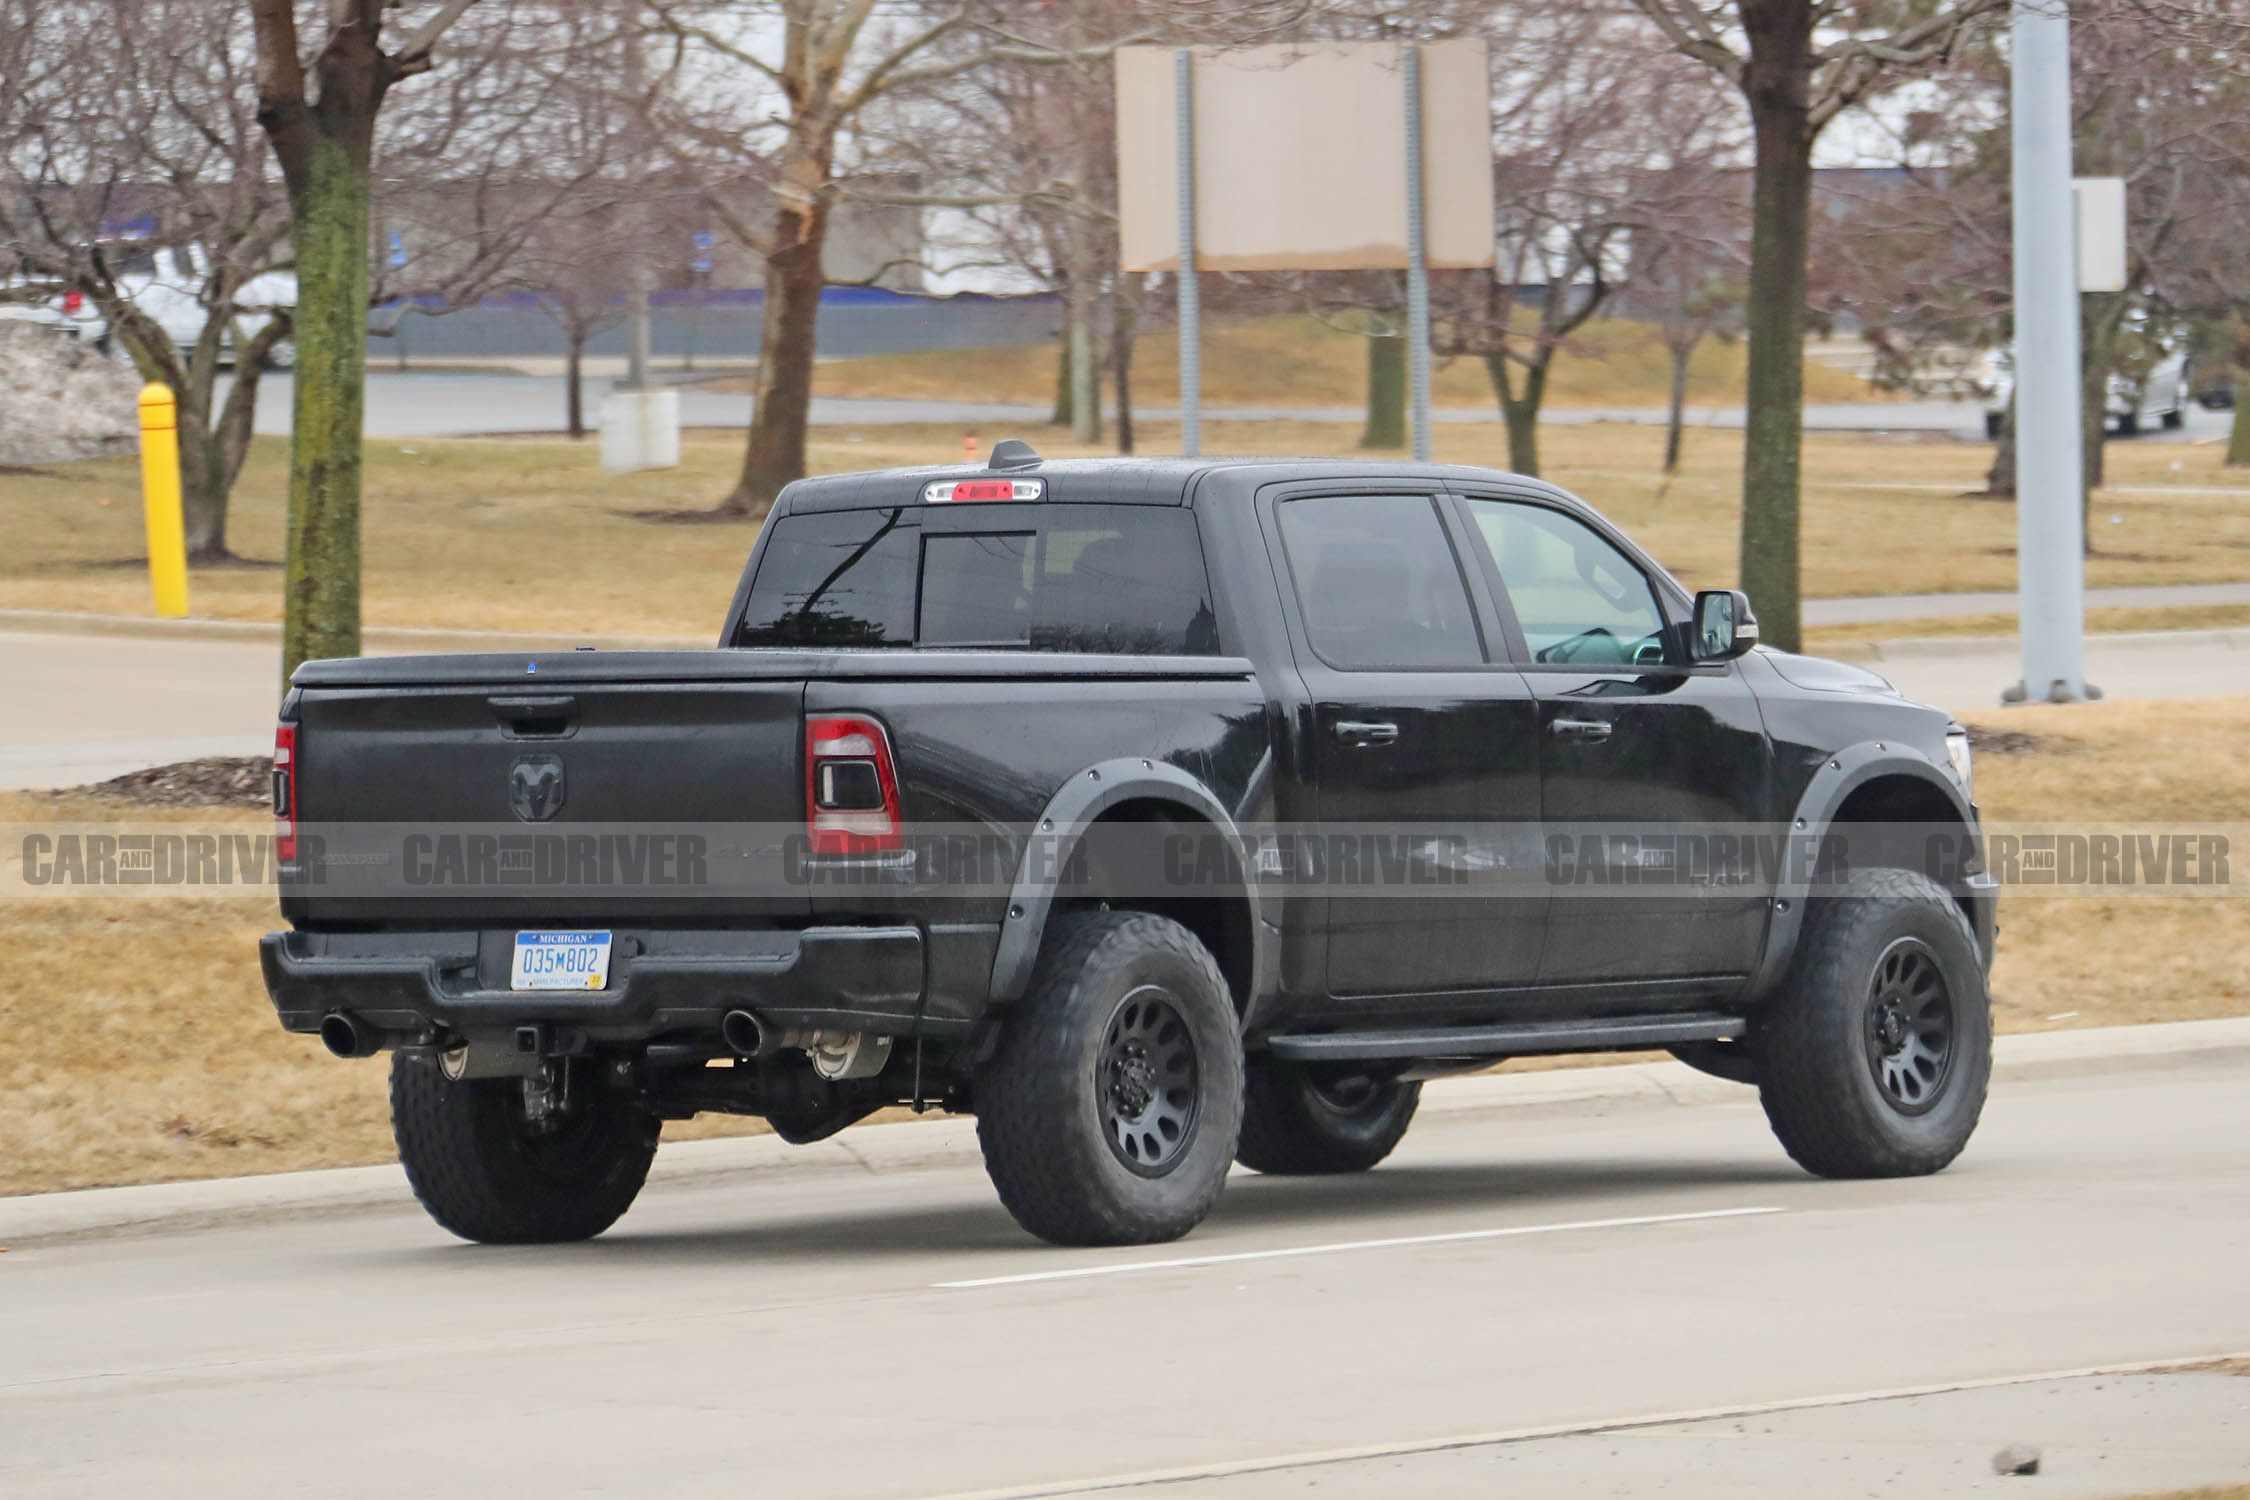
x=1820, y=674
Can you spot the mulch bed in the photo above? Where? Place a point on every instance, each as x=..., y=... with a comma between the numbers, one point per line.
x=214, y=781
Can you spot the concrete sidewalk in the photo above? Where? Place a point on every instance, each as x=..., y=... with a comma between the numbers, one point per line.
x=1966, y=673
x=950, y=1141
x=1874, y=609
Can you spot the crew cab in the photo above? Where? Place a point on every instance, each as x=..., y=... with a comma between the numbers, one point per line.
x=1162, y=814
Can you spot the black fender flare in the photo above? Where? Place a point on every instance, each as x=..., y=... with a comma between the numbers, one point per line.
x=1840, y=774
x=1063, y=822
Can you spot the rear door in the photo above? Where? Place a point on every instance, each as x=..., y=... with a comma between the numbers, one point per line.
x=1648, y=766
x=1423, y=751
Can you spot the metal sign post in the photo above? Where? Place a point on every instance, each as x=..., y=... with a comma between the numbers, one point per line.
x=1417, y=268
x=1190, y=293
x=2050, y=482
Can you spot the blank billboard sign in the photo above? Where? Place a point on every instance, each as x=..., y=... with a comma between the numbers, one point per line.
x=1300, y=157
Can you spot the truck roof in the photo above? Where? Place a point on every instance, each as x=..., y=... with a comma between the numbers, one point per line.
x=1142, y=481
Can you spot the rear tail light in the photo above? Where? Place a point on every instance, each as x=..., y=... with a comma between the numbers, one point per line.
x=73, y=303
x=285, y=792
x=851, y=786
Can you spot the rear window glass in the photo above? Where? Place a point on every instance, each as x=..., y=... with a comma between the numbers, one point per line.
x=1125, y=580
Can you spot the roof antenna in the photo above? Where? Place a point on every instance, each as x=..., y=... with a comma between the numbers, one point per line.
x=1014, y=453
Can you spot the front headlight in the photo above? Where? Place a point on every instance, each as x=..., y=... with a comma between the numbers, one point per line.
x=1957, y=756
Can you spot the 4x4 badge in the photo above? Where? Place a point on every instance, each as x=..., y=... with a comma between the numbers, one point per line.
x=535, y=787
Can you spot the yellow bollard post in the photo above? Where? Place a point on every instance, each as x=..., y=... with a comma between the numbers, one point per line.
x=160, y=498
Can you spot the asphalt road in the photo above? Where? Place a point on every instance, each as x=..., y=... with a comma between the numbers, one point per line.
x=112, y=703
x=451, y=403
x=1512, y=1278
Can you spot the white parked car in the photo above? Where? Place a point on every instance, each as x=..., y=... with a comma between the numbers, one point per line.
x=2159, y=398
x=167, y=282
x=26, y=301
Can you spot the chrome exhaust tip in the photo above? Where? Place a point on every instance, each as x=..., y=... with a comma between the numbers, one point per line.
x=744, y=1033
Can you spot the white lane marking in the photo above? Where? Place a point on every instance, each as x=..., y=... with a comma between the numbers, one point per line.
x=1323, y=1457
x=1343, y=1246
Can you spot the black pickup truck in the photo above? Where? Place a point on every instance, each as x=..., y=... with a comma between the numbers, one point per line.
x=1162, y=814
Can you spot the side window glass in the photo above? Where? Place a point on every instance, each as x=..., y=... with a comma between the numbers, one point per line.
x=1577, y=598
x=1377, y=582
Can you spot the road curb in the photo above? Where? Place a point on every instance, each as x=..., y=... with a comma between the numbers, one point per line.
x=46, y=1218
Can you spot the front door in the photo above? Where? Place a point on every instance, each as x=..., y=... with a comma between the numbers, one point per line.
x=1655, y=775
x=1423, y=752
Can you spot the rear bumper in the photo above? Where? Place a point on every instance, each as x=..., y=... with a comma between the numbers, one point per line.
x=418, y=986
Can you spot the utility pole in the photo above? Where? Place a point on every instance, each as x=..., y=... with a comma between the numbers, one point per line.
x=1190, y=291
x=2050, y=485
x=1417, y=267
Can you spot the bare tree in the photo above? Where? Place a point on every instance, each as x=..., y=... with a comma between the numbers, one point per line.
x=798, y=83
x=1799, y=64
x=1021, y=159
x=136, y=177
x=1928, y=265
x=1601, y=138
x=320, y=107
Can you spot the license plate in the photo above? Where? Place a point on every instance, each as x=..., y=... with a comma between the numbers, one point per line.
x=560, y=961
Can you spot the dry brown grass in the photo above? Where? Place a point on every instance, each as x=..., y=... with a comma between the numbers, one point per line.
x=528, y=534
x=137, y=1044
x=2118, y=960
x=1299, y=361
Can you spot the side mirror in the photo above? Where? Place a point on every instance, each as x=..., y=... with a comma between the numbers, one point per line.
x=1724, y=627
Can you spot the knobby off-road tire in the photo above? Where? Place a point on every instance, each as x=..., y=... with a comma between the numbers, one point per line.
x=1874, y=1057
x=1109, y=1112
x=486, y=1174
x=1302, y=1122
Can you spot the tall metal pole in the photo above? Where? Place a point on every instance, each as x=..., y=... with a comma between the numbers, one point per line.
x=636, y=298
x=2050, y=496
x=1191, y=295
x=1417, y=271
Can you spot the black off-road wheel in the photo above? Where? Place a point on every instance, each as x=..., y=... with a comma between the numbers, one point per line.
x=1302, y=1121
x=1109, y=1112
x=1874, y=1058
x=488, y=1170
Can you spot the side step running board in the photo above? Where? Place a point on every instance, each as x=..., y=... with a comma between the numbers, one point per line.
x=1513, y=1039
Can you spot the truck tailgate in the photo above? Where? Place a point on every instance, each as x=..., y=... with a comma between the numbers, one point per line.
x=627, y=745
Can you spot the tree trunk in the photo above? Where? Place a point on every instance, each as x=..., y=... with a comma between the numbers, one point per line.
x=1386, y=386
x=1125, y=321
x=203, y=491
x=329, y=207
x=2238, y=440
x=2000, y=479
x=1063, y=368
x=574, y=394
x=1520, y=410
x=1085, y=382
x=2102, y=312
x=788, y=336
x=1682, y=349
x=1773, y=435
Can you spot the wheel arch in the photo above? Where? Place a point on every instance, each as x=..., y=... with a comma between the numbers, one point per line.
x=1064, y=866
x=1879, y=783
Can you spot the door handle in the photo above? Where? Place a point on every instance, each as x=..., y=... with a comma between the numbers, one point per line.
x=1358, y=732
x=1592, y=731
